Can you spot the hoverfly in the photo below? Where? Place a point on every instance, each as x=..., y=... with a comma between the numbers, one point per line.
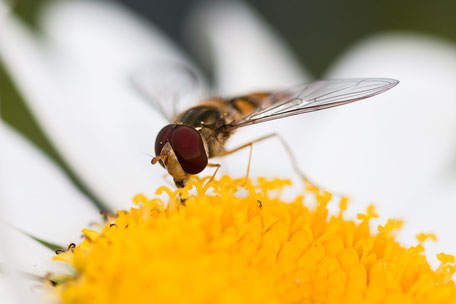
x=199, y=133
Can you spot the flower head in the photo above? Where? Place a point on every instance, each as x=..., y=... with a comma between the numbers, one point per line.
x=222, y=246
x=72, y=73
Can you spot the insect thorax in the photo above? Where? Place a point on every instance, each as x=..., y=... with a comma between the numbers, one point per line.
x=206, y=119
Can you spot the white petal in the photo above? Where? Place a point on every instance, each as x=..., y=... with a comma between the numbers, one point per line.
x=38, y=199
x=106, y=35
x=25, y=256
x=432, y=210
x=404, y=138
x=6, y=294
x=17, y=290
x=79, y=93
x=23, y=263
x=36, y=196
x=397, y=149
x=247, y=54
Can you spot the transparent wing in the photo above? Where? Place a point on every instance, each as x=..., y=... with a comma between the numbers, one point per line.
x=315, y=96
x=166, y=87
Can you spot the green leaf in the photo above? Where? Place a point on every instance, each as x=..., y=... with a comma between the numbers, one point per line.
x=45, y=243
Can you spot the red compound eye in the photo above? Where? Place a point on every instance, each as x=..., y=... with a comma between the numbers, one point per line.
x=187, y=144
x=162, y=138
x=189, y=149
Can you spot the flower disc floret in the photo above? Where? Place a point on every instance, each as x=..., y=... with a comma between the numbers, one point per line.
x=226, y=242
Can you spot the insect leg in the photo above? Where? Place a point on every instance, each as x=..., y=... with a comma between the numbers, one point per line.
x=285, y=145
x=248, y=165
x=213, y=175
x=247, y=144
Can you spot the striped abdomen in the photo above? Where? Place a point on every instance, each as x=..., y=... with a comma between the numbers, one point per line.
x=244, y=105
x=215, y=112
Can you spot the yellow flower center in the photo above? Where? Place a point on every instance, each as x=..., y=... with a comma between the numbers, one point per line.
x=235, y=243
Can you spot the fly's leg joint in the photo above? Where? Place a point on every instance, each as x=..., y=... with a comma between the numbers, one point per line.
x=294, y=162
x=216, y=170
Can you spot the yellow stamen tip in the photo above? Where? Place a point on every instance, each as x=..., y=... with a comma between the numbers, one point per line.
x=232, y=242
